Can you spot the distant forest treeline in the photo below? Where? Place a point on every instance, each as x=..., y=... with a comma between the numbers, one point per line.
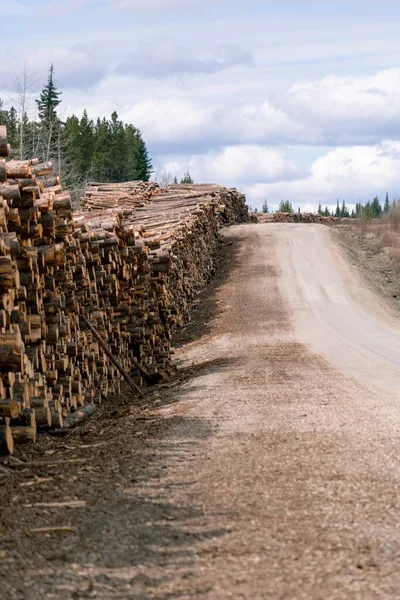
x=370, y=210
x=80, y=149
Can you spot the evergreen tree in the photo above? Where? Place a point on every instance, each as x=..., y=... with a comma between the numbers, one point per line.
x=49, y=99
x=144, y=163
x=386, y=206
x=376, y=208
x=320, y=208
x=102, y=156
x=187, y=178
x=344, y=213
x=353, y=214
x=285, y=206
x=175, y=179
x=3, y=114
x=86, y=144
x=337, y=212
x=12, y=128
x=49, y=123
x=265, y=208
x=326, y=212
x=366, y=212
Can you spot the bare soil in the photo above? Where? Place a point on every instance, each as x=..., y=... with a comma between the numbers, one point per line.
x=372, y=261
x=264, y=471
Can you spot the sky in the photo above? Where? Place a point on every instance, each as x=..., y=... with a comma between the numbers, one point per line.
x=286, y=100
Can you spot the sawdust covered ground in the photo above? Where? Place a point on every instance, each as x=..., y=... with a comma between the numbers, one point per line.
x=265, y=472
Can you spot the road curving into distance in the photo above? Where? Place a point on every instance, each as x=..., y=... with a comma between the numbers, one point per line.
x=331, y=308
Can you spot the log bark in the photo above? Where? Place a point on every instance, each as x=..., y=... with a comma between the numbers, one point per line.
x=79, y=415
x=4, y=146
x=23, y=434
x=9, y=408
x=6, y=440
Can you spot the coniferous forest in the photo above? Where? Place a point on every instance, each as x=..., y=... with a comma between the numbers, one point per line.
x=80, y=148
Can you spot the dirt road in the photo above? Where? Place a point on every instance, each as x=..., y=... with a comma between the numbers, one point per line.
x=276, y=474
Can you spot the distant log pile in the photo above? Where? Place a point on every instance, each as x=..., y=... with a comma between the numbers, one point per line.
x=132, y=270
x=281, y=217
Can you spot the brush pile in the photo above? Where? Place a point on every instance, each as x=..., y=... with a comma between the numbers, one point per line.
x=132, y=268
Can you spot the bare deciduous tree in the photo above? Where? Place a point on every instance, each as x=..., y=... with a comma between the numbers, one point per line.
x=25, y=85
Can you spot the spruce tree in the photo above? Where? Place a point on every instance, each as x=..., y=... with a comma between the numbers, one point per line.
x=187, y=178
x=49, y=123
x=320, y=208
x=337, y=212
x=386, y=206
x=265, y=208
x=144, y=164
x=326, y=212
x=285, y=206
x=49, y=99
x=12, y=128
x=366, y=212
x=376, y=208
x=344, y=213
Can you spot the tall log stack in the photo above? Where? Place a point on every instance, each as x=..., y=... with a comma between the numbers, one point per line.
x=42, y=281
x=132, y=262
x=154, y=259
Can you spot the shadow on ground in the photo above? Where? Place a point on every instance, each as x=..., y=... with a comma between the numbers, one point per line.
x=205, y=309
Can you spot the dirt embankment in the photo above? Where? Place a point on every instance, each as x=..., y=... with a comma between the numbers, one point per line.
x=374, y=252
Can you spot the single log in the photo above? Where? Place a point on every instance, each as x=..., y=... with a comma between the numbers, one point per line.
x=11, y=351
x=3, y=170
x=23, y=434
x=43, y=417
x=10, y=192
x=9, y=408
x=42, y=169
x=4, y=146
x=79, y=415
x=6, y=440
x=18, y=169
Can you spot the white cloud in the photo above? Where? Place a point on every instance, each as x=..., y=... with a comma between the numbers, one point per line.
x=353, y=173
x=348, y=108
x=177, y=122
x=234, y=165
x=162, y=58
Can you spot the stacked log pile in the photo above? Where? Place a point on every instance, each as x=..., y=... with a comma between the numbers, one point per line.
x=281, y=217
x=231, y=203
x=44, y=355
x=147, y=264
x=100, y=196
x=132, y=270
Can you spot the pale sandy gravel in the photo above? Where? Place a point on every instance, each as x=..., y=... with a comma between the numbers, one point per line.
x=285, y=462
x=302, y=472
